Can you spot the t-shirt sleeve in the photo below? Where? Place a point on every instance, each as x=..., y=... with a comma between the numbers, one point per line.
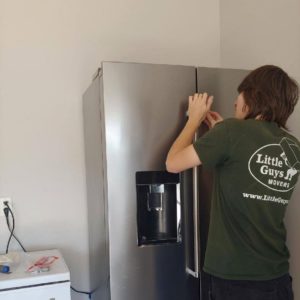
x=213, y=147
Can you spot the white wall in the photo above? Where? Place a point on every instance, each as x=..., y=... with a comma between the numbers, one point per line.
x=254, y=33
x=48, y=52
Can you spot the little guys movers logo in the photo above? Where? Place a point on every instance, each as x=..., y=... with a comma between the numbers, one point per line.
x=276, y=166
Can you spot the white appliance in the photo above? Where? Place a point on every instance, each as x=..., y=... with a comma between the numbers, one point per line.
x=51, y=285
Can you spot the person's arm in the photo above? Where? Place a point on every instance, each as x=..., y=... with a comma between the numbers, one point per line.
x=182, y=154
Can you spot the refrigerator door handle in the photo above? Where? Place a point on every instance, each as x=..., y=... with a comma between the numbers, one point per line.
x=195, y=272
x=178, y=208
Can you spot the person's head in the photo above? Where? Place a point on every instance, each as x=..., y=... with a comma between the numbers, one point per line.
x=267, y=93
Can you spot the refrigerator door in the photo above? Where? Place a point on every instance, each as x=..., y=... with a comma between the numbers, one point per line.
x=144, y=110
x=222, y=84
x=96, y=190
x=191, y=234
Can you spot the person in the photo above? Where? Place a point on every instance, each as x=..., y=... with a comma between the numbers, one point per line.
x=256, y=164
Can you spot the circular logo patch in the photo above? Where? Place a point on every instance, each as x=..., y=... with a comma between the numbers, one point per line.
x=276, y=166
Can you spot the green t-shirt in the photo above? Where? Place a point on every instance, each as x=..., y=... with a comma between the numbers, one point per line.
x=256, y=168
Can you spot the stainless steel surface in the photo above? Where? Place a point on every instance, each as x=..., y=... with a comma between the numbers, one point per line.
x=96, y=195
x=144, y=112
x=133, y=113
x=222, y=83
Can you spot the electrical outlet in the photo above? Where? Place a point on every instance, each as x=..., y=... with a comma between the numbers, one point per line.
x=2, y=206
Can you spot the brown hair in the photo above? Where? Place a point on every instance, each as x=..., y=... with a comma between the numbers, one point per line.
x=269, y=92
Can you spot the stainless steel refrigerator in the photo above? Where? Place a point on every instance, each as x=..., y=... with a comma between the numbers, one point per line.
x=147, y=227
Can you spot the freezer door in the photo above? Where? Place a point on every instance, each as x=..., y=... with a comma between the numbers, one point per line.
x=222, y=84
x=144, y=107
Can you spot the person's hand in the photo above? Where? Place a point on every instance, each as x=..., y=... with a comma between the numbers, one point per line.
x=199, y=106
x=212, y=118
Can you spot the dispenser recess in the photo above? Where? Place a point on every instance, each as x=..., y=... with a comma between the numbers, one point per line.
x=158, y=208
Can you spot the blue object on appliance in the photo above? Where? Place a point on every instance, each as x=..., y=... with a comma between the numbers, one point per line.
x=4, y=269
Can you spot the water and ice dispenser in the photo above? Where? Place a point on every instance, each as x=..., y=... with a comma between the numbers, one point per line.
x=158, y=208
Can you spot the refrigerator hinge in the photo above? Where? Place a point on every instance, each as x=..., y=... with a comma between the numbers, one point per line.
x=97, y=73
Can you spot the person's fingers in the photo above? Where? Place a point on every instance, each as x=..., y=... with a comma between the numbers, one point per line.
x=209, y=102
x=210, y=118
x=213, y=115
x=216, y=116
